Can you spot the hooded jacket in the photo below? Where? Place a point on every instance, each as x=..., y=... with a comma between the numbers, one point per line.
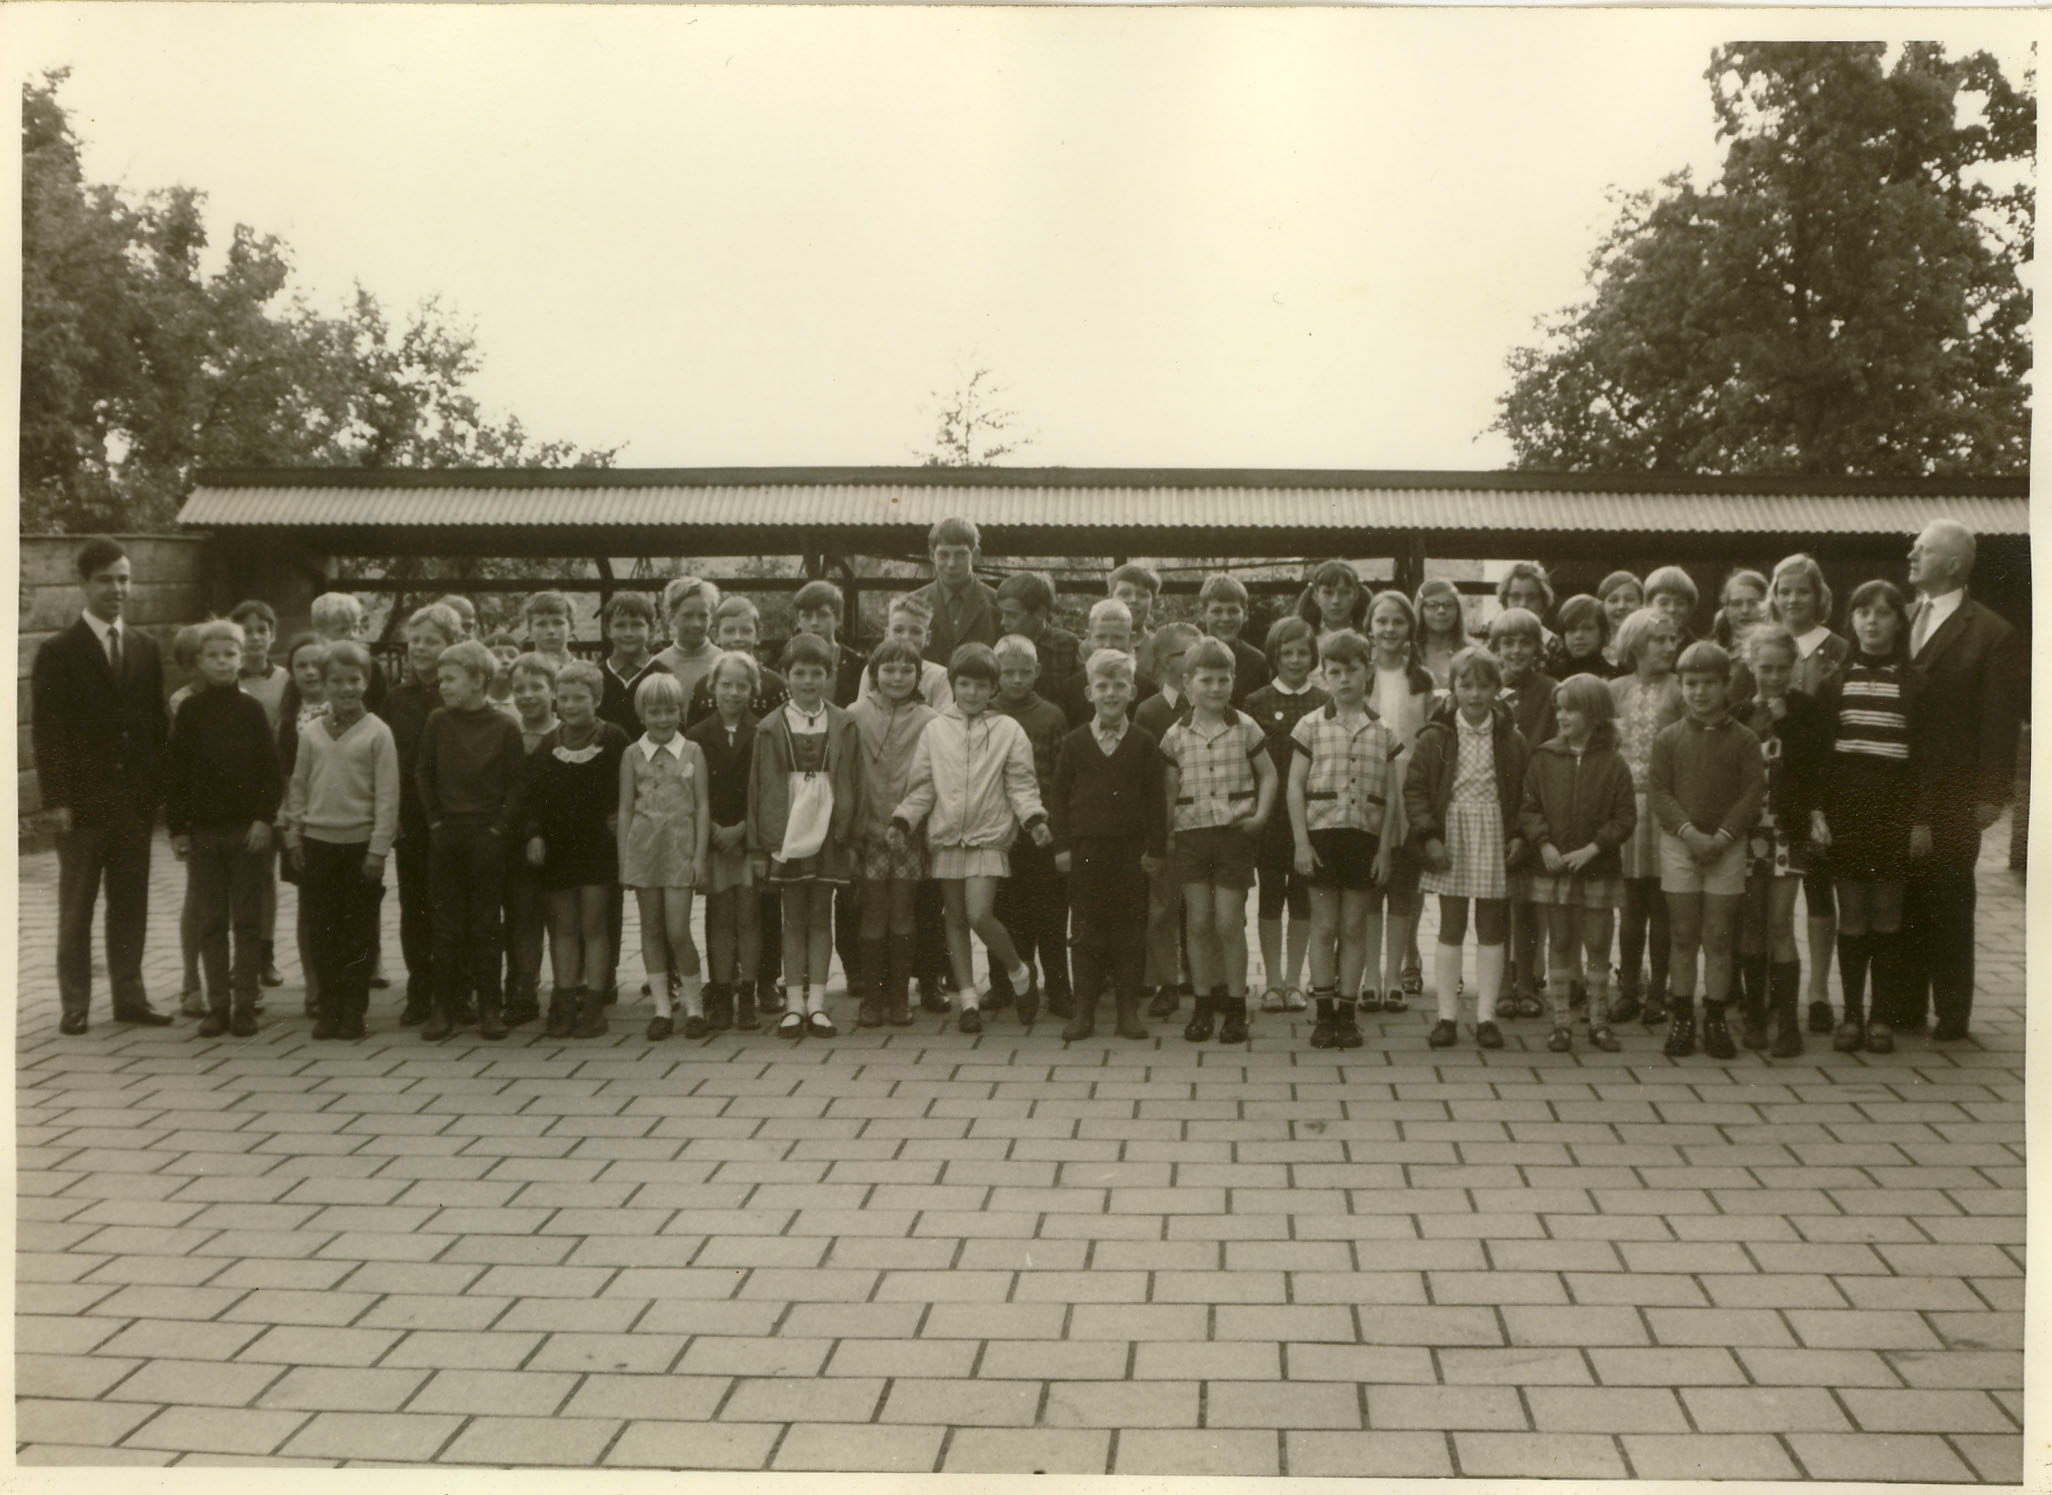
x=888, y=735
x=972, y=782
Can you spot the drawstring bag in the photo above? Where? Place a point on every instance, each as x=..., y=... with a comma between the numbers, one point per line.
x=812, y=810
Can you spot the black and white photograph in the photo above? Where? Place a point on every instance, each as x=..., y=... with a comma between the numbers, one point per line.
x=1000, y=740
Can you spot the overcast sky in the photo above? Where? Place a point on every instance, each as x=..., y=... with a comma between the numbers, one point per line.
x=756, y=236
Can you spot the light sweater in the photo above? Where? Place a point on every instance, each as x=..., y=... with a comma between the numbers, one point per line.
x=344, y=790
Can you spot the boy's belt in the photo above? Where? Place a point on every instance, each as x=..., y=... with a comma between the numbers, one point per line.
x=1366, y=799
x=1191, y=799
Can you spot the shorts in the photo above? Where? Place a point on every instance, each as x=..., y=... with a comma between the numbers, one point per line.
x=1586, y=890
x=1221, y=855
x=1346, y=859
x=1282, y=889
x=1682, y=873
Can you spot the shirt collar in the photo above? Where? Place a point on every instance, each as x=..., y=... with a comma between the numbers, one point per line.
x=99, y=625
x=800, y=722
x=1487, y=729
x=1809, y=643
x=1108, y=734
x=1943, y=606
x=674, y=747
x=1303, y=690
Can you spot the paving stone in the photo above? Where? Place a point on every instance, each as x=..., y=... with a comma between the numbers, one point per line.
x=1123, y=1404
x=406, y=1437
x=1272, y=1404
x=1841, y=1368
x=1218, y=1452
x=1878, y=1456
x=1028, y=1451
x=1708, y=1456
x=1777, y=1409
x=1669, y=1366
x=327, y=1389
x=518, y=1442
x=218, y=1430
x=1488, y=1455
x=508, y=1393
x=1996, y=1458
x=1382, y=1455
x=907, y=1450
x=1927, y=1411
x=77, y=1377
x=96, y=1424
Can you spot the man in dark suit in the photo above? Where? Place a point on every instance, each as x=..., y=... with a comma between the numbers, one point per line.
x=99, y=732
x=1970, y=664
x=965, y=611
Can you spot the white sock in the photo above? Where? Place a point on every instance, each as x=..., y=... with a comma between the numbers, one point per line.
x=1446, y=980
x=694, y=996
x=659, y=991
x=1489, y=964
x=1021, y=977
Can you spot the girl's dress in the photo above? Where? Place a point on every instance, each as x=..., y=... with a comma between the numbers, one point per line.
x=805, y=790
x=661, y=830
x=1643, y=710
x=1796, y=748
x=1873, y=797
x=573, y=791
x=1474, y=821
x=727, y=763
x=1277, y=711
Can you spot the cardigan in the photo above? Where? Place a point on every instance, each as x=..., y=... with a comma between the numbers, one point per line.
x=1435, y=759
x=727, y=766
x=1118, y=796
x=769, y=790
x=1571, y=800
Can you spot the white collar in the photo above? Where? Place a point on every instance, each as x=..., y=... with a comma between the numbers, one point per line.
x=1487, y=729
x=800, y=721
x=674, y=747
x=1305, y=689
x=1809, y=643
x=100, y=626
x=1109, y=734
x=1943, y=606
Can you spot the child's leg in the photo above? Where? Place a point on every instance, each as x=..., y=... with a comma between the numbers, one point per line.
x=594, y=917
x=1631, y=937
x=677, y=935
x=1325, y=935
x=796, y=912
x=819, y=945
x=955, y=911
x=188, y=933
x=1685, y=937
x=655, y=947
x=566, y=938
x=1164, y=930
x=1446, y=973
x=1892, y=1005
x=747, y=933
x=267, y=913
x=1659, y=938
x=446, y=901
x=1229, y=924
x=1563, y=946
x=876, y=897
x=979, y=899
x=1297, y=934
x=1595, y=942
x=1820, y=899
x=1268, y=924
x=487, y=876
x=1781, y=938
x=1360, y=930
x=1200, y=921
x=1718, y=935
x=1492, y=951
x=1852, y=899
x=720, y=934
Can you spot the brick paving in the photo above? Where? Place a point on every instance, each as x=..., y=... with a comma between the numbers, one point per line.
x=915, y=1251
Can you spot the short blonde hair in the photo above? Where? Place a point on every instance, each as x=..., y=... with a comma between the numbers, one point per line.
x=682, y=589
x=582, y=672
x=331, y=610
x=1109, y=662
x=472, y=657
x=658, y=687
x=742, y=660
x=1016, y=646
x=217, y=628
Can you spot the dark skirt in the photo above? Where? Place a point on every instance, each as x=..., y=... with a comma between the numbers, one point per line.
x=1872, y=802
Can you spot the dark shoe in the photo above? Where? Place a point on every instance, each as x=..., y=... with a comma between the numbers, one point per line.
x=271, y=975
x=1880, y=1039
x=1717, y=1042
x=745, y=1020
x=869, y=1013
x=1851, y=1036
x=1601, y=1037
x=142, y=1017
x=1654, y=1013
x=72, y=1023
x=695, y=1026
x=1488, y=1036
x=466, y=1013
x=1681, y=1034
x=242, y=1023
x=1445, y=1034
x=1950, y=1031
x=971, y=1020
x=213, y=1025
x=416, y=1011
x=659, y=1028
x=325, y=1029
x=193, y=1002
x=1028, y=1001
x=1560, y=1041
x=1623, y=1008
x=1164, y=1003
x=1232, y=1025
x=352, y=1030
x=930, y=998
x=1344, y=1027
x=819, y=1025
x=1820, y=1017
x=897, y=1006
x=1753, y=1034
x=562, y=1017
x=437, y=1027
x=491, y=1022
x=1081, y=1024
x=1325, y=1032
x=1788, y=1039
x=526, y=1010
x=1129, y=1024
x=791, y=1025
x=1527, y=1004
x=591, y=1014
x=719, y=1006
x=1198, y=1029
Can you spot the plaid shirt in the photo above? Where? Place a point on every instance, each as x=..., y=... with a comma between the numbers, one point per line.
x=1216, y=768
x=1347, y=787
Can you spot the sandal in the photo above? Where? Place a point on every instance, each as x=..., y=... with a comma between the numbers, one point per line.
x=659, y=1028
x=819, y=1025
x=1370, y=1000
x=1393, y=1001
x=1604, y=1039
x=1293, y=1000
x=1527, y=1005
x=1273, y=1000
x=791, y=1025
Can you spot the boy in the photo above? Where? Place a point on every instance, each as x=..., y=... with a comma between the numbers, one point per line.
x=1222, y=602
x=818, y=610
x=525, y=904
x=1517, y=639
x=1111, y=627
x=1220, y=786
x=736, y=625
x=1167, y=963
x=504, y=650
x=1109, y=815
x=341, y=813
x=465, y=611
x=1026, y=607
x=630, y=628
x=1341, y=779
x=469, y=773
x=547, y=616
x=911, y=620
x=963, y=609
x=222, y=787
x=266, y=683
x=1137, y=586
x=1705, y=787
x=338, y=618
x=688, y=604
x=408, y=705
x=1033, y=902
x=185, y=653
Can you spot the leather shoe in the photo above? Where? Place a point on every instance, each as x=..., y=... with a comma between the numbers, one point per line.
x=143, y=1017
x=73, y=1023
x=1949, y=1031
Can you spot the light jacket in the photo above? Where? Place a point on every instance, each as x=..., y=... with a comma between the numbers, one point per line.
x=888, y=735
x=972, y=782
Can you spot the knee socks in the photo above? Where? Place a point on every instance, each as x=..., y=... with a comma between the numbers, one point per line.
x=1853, y=953
x=1446, y=981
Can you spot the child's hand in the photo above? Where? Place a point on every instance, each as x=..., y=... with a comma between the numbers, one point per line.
x=181, y=847
x=1150, y=863
x=1579, y=858
x=1062, y=863
x=759, y=866
x=1710, y=850
x=1042, y=836
x=1820, y=829
x=895, y=839
x=537, y=851
x=1920, y=842
x=1435, y=858
x=1379, y=871
x=1550, y=857
x=259, y=837
x=294, y=858
x=728, y=838
x=374, y=869
x=701, y=873
x=1305, y=862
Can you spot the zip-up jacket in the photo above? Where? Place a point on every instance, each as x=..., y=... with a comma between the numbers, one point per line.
x=888, y=735
x=972, y=782
x=1435, y=760
x=1572, y=799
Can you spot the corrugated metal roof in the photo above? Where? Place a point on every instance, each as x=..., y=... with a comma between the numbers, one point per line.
x=855, y=505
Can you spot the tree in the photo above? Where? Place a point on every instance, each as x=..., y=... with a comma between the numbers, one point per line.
x=972, y=428
x=1845, y=299
x=138, y=368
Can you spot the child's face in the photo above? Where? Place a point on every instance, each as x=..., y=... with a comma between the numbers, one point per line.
x=532, y=696
x=820, y=622
x=1656, y=654
x=808, y=684
x=346, y=686
x=1573, y=724
x=953, y=564
x=550, y=632
x=306, y=674
x=1440, y=615
x=1015, y=616
x=737, y=631
x=1797, y=600
x=423, y=647
x=1016, y=678
x=576, y=705
x=660, y=720
x=257, y=637
x=689, y=622
x=1876, y=625
x=220, y=661
x=1583, y=640
x=1390, y=628
x=896, y=679
x=1224, y=618
x=1110, y=633
x=1704, y=693
x=1518, y=653
x=1671, y=605
x=731, y=693
x=1111, y=695
x=1474, y=695
x=1139, y=602
x=1168, y=664
x=1525, y=592
x=1625, y=600
x=505, y=654
x=338, y=629
x=972, y=695
x=1211, y=688
x=1335, y=601
x=460, y=689
x=1744, y=604
x=1294, y=661
x=909, y=628
x=1773, y=669
x=1347, y=680
x=629, y=635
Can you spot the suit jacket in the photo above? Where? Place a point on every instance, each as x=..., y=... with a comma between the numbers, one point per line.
x=99, y=742
x=979, y=620
x=1972, y=676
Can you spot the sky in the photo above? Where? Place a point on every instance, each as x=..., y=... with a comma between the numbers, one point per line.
x=767, y=236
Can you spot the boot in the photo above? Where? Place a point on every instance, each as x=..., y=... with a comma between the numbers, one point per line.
x=1127, y=1006
x=1082, y=1021
x=1344, y=1027
x=1717, y=1042
x=1784, y=990
x=901, y=952
x=1853, y=950
x=215, y=1023
x=871, y=979
x=1752, y=972
x=242, y=1022
x=1198, y=1029
x=591, y=1013
x=1325, y=1026
x=1681, y=1029
x=491, y=1017
x=420, y=1006
x=522, y=1005
x=562, y=1014
x=1232, y=1027
x=745, y=1020
x=1164, y=1003
x=719, y=1006
x=441, y=1020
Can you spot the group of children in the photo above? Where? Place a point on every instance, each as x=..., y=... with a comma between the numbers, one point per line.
x=1094, y=812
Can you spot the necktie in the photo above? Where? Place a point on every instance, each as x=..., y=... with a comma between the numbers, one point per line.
x=1920, y=630
x=114, y=651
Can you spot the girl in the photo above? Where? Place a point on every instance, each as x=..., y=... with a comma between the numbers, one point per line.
x=665, y=823
x=889, y=722
x=1795, y=738
x=1877, y=809
x=1741, y=603
x=1441, y=634
x=526, y=907
x=1461, y=797
x=1643, y=703
x=1401, y=695
x=1333, y=599
x=305, y=700
x=1801, y=603
x=1671, y=592
x=1583, y=643
x=973, y=773
x=1526, y=585
x=1579, y=809
x=1276, y=708
x=505, y=649
x=733, y=930
x=1517, y=639
x=572, y=837
x=804, y=802
x=1621, y=596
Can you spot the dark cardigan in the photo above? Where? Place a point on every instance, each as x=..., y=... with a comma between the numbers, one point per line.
x=1435, y=758
x=1571, y=803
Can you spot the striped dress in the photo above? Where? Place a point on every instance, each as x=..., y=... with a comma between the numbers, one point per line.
x=1872, y=794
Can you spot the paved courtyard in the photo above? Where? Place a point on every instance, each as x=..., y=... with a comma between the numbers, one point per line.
x=914, y=1251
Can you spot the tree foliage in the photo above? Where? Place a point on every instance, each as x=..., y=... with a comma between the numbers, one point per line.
x=138, y=366
x=1844, y=299
x=972, y=426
